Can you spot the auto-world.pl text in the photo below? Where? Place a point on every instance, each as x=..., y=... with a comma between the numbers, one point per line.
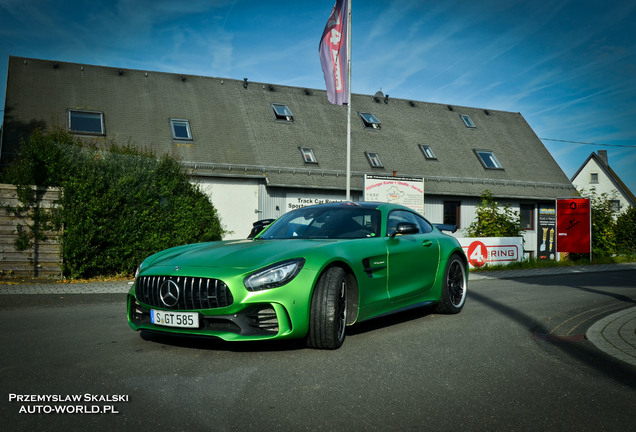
x=86, y=403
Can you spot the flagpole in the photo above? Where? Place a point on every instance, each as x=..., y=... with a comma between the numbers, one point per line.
x=348, y=182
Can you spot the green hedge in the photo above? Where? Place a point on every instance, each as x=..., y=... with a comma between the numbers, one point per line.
x=118, y=205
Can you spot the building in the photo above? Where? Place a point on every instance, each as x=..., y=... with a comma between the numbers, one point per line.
x=596, y=173
x=258, y=149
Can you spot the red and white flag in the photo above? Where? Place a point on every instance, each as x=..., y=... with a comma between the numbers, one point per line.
x=333, y=54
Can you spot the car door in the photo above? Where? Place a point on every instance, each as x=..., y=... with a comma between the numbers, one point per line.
x=412, y=258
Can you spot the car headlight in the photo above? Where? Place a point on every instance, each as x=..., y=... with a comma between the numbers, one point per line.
x=274, y=276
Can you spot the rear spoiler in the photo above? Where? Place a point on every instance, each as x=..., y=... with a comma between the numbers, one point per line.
x=446, y=227
x=259, y=226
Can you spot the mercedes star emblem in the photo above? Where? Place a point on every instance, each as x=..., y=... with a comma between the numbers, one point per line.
x=169, y=293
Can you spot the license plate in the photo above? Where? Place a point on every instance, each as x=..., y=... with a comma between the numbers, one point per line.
x=175, y=319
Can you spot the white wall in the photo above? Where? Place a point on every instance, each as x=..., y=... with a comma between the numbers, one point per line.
x=236, y=201
x=583, y=184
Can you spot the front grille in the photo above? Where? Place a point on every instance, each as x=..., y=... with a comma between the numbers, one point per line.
x=194, y=292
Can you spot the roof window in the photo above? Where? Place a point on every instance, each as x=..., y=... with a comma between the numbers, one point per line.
x=428, y=152
x=468, y=121
x=370, y=121
x=374, y=160
x=282, y=112
x=86, y=122
x=308, y=155
x=488, y=159
x=181, y=129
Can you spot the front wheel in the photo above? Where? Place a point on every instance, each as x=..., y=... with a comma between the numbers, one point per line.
x=328, y=313
x=455, y=287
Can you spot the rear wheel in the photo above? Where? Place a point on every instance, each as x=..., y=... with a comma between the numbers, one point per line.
x=328, y=313
x=455, y=287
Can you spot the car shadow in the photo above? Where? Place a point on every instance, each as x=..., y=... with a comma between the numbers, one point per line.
x=393, y=319
x=215, y=344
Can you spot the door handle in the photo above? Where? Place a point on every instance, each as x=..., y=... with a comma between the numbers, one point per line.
x=427, y=243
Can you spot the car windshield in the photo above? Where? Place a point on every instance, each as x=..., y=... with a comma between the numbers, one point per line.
x=337, y=222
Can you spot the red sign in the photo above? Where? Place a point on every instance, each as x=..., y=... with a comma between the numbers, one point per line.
x=480, y=253
x=477, y=254
x=574, y=226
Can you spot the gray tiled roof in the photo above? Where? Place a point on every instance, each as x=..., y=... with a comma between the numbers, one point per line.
x=235, y=131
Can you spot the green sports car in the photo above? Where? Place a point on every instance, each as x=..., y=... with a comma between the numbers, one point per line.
x=309, y=274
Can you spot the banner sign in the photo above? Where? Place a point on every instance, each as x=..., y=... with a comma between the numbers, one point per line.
x=492, y=250
x=333, y=54
x=294, y=200
x=574, y=225
x=398, y=190
x=546, y=238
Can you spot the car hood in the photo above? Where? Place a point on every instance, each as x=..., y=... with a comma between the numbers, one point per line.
x=239, y=254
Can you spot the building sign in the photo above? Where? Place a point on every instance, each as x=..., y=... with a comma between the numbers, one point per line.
x=406, y=191
x=546, y=238
x=294, y=201
x=574, y=225
x=492, y=250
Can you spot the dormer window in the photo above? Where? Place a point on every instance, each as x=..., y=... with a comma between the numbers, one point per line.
x=282, y=113
x=370, y=121
x=308, y=155
x=468, y=121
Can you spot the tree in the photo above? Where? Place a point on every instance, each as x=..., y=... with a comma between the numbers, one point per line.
x=603, y=223
x=494, y=221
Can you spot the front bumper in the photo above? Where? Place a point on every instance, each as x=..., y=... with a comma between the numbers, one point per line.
x=278, y=313
x=252, y=322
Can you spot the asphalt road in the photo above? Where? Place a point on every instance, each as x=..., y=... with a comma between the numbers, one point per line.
x=515, y=359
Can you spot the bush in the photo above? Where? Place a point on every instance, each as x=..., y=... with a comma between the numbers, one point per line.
x=117, y=206
x=626, y=232
x=493, y=222
x=603, y=225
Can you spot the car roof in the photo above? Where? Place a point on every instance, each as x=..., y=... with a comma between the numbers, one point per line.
x=362, y=204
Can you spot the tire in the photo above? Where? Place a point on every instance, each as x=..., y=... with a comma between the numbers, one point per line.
x=328, y=312
x=455, y=287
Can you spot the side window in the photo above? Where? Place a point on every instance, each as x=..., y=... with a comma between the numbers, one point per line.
x=397, y=216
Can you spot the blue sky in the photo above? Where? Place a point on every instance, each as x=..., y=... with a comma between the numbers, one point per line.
x=569, y=67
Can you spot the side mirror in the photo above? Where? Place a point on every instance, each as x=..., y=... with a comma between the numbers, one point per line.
x=405, y=228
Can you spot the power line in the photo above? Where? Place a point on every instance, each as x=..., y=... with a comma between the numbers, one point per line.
x=588, y=143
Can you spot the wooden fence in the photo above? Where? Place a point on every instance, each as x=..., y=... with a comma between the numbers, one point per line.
x=43, y=259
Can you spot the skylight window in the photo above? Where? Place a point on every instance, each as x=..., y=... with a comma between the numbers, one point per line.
x=428, y=152
x=488, y=159
x=370, y=121
x=308, y=155
x=282, y=112
x=468, y=121
x=181, y=129
x=374, y=160
x=86, y=122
